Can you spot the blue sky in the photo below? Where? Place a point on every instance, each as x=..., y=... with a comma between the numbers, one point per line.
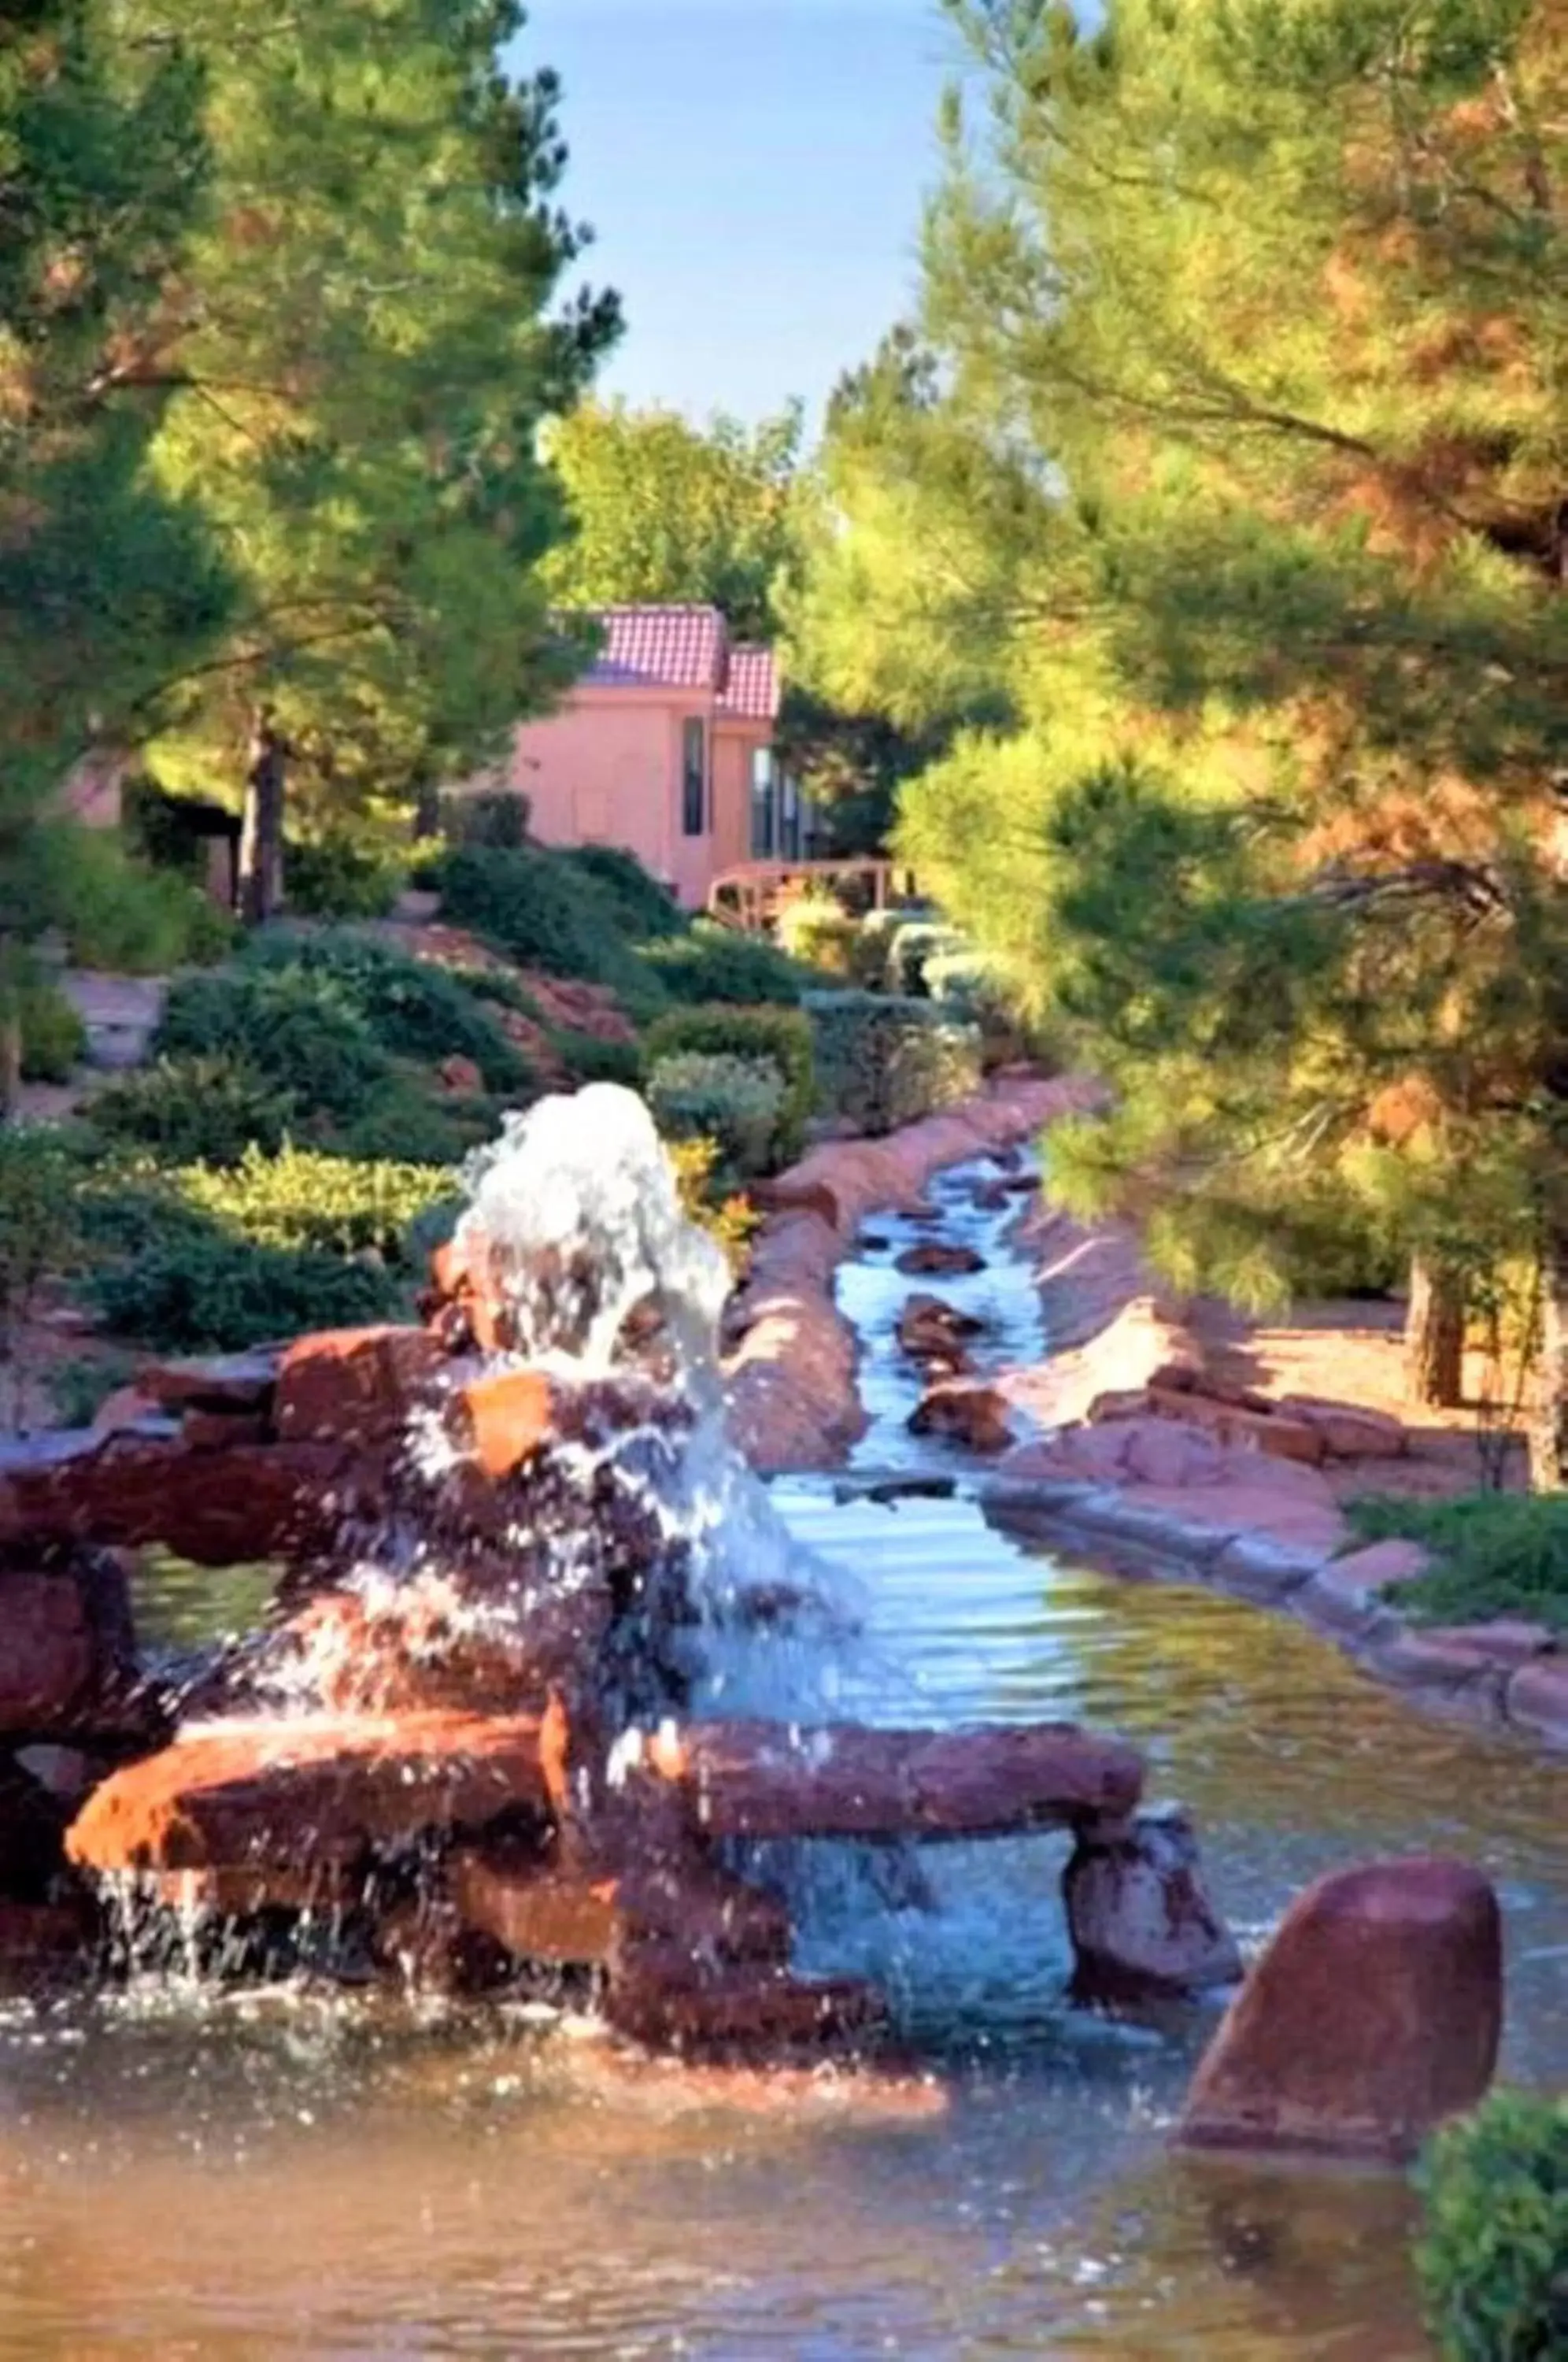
x=754, y=170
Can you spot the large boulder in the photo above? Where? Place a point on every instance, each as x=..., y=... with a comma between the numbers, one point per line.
x=1373, y=2014
x=68, y=1664
x=974, y=1417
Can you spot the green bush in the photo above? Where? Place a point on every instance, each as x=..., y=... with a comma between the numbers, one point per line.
x=546, y=913
x=335, y=876
x=55, y=1039
x=407, y=1123
x=40, y=1238
x=495, y=821
x=734, y=1101
x=727, y=1216
x=302, y=1200
x=124, y=916
x=817, y=930
x=882, y=1062
x=196, y=1291
x=967, y=985
x=1494, y=1554
x=782, y=1035
x=913, y=943
x=588, y=1059
x=193, y=1110
x=296, y=1029
x=412, y=1008
x=719, y=964
x=644, y=910
x=1492, y=2258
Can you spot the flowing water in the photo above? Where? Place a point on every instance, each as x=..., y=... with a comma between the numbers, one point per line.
x=326, y=2176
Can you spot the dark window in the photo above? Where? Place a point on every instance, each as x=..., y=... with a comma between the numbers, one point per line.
x=694, y=780
x=763, y=805
x=790, y=820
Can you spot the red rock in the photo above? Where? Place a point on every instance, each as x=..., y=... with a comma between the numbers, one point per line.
x=1117, y=1403
x=40, y=1938
x=660, y=2003
x=239, y=1894
x=931, y=1331
x=423, y=1646
x=1424, y=1658
x=1141, y=1920
x=533, y=1911
x=933, y=1260
x=1349, y=1432
x=355, y=1384
x=67, y=1646
x=1279, y=1438
x=785, y=1196
x=1347, y=1593
x=232, y=1795
x=973, y=1415
x=1538, y=1699
x=1373, y=2014
x=127, y=1407
x=752, y=1780
x=238, y=1382
x=462, y=1078
x=220, y=1431
x=512, y=1413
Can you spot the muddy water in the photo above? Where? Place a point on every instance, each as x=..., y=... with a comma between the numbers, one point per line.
x=320, y=2177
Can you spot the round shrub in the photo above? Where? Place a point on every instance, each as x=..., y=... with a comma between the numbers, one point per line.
x=882, y=1061
x=588, y=1059
x=734, y=1101
x=55, y=1039
x=816, y=930
x=713, y=962
x=780, y=1036
x=194, y=1110
x=333, y=877
x=912, y=945
x=206, y=1293
x=1492, y=2258
x=298, y=1029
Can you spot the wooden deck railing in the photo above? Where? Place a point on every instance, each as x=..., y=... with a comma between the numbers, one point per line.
x=749, y=896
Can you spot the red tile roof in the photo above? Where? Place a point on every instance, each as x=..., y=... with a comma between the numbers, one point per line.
x=685, y=648
x=751, y=688
x=667, y=647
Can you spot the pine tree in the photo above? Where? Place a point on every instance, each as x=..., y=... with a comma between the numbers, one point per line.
x=108, y=586
x=365, y=347
x=1272, y=294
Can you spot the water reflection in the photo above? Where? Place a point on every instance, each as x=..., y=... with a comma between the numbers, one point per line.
x=337, y=2181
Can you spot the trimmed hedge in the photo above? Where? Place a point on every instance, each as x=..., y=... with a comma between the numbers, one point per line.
x=781, y=1035
x=699, y=1095
x=1492, y=2259
x=883, y=1062
x=205, y=1293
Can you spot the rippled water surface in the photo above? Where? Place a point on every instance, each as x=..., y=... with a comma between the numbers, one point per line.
x=320, y=2179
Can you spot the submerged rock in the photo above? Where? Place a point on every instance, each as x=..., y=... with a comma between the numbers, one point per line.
x=1375, y=2014
x=933, y=1260
x=973, y=1415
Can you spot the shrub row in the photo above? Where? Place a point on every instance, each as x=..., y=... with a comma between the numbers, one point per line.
x=778, y=1037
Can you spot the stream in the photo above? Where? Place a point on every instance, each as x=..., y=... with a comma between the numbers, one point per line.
x=336, y=2178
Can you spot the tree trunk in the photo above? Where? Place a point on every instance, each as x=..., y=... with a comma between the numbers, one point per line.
x=1548, y=1417
x=261, y=832
x=1434, y=1335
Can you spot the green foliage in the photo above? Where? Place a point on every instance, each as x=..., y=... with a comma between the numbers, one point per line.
x=494, y=821
x=1494, y=1554
x=336, y=876
x=735, y=1103
x=644, y=910
x=201, y=1292
x=122, y=915
x=816, y=930
x=729, y=1217
x=1493, y=2254
x=882, y=1062
x=782, y=1036
x=54, y=1038
x=916, y=942
x=546, y=913
x=588, y=1059
x=190, y=1110
x=40, y=1238
x=713, y=962
x=295, y=1028
x=299, y=1200
x=407, y=1123
x=378, y=475
x=109, y=588
x=666, y=511
x=414, y=1008
x=79, y=1389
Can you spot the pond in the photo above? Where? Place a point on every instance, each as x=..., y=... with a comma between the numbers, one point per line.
x=335, y=2179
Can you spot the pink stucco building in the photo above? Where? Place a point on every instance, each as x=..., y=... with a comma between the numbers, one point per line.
x=665, y=747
